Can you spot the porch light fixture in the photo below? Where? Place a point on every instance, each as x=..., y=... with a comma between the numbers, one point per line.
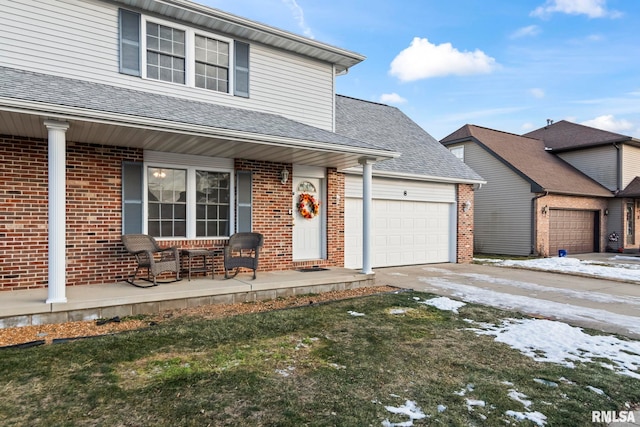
x=606, y=212
x=284, y=176
x=544, y=209
x=467, y=206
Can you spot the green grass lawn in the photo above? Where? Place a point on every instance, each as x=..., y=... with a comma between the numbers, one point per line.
x=321, y=365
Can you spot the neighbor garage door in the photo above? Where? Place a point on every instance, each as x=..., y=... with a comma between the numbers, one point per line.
x=572, y=230
x=406, y=228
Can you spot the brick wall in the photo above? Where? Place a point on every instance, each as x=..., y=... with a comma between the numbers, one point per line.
x=541, y=245
x=94, y=251
x=271, y=204
x=465, y=223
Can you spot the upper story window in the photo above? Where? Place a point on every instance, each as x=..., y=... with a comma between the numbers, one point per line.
x=165, y=53
x=458, y=152
x=173, y=53
x=212, y=64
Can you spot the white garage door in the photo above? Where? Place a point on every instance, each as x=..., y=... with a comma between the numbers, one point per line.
x=404, y=232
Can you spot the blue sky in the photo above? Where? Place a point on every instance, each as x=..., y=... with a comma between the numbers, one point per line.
x=503, y=64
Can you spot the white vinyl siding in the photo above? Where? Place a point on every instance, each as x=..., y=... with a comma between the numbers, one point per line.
x=598, y=163
x=502, y=212
x=630, y=164
x=79, y=40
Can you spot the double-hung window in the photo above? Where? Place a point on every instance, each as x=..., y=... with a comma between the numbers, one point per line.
x=212, y=64
x=166, y=51
x=181, y=201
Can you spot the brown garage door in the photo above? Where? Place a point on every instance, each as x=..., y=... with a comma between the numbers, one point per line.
x=571, y=230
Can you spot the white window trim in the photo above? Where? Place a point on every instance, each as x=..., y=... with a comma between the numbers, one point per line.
x=191, y=197
x=458, y=149
x=189, y=52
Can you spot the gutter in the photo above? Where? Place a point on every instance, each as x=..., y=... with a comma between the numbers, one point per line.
x=534, y=228
x=416, y=177
x=619, y=164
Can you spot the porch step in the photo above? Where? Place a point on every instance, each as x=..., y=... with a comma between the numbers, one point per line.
x=91, y=302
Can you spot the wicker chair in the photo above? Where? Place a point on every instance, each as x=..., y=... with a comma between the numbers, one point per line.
x=242, y=251
x=151, y=256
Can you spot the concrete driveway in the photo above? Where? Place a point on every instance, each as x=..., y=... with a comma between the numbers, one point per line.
x=602, y=304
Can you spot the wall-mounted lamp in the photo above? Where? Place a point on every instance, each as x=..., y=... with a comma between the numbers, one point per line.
x=606, y=212
x=545, y=208
x=466, y=206
x=284, y=176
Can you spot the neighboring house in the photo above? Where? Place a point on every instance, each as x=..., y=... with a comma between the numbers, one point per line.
x=534, y=202
x=609, y=158
x=421, y=200
x=181, y=121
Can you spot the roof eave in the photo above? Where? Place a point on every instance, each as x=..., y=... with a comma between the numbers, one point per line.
x=417, y=177
x=220, y=21
x=57, y=112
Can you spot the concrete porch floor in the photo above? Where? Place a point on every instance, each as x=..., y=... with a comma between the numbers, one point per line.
x=90, y=302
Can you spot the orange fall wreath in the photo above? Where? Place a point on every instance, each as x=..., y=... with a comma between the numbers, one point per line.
x=308, y=206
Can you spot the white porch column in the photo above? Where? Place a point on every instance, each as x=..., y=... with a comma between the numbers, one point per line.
x=367, y=183
x=57, y=211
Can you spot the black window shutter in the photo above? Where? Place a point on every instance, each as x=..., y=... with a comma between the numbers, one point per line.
x=132, y=192
x=241, y=76
x=129, y=42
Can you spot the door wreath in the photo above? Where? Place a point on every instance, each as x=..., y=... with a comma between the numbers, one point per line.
x=308, y=206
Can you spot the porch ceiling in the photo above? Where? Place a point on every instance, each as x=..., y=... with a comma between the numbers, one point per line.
x=196, y=140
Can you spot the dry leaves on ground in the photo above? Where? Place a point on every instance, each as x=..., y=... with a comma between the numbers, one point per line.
x=50, y=332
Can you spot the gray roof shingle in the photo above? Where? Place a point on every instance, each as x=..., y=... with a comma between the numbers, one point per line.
x=390, y=128
x=62, y=91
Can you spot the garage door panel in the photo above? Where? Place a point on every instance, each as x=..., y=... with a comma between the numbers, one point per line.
x=404, y=232
x=571, y=230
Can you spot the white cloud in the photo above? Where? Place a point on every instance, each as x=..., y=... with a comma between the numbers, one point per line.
x=423, y=59
x=536, y=92
x=591, y=8
x=609, y=122
x=526, y=127
x=392, y=98
x=298, y=14
x=531, y=30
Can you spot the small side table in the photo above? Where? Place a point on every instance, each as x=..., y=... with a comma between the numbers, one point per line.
x=201, y=265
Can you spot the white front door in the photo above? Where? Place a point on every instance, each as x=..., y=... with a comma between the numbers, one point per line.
x=307, y=218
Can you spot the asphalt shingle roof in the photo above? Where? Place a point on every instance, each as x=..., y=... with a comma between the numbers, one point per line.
x=388, y=127
x=528, y=157
x=62, y=91
x=631, y=190
x=564, y=135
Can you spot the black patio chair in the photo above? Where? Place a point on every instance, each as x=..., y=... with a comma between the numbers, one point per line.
x=151, y=256
x=242, y=251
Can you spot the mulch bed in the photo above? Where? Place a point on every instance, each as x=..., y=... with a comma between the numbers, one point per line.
x=26, y=336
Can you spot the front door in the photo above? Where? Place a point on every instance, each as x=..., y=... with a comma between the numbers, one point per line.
x=631, y=224
x=307, y=219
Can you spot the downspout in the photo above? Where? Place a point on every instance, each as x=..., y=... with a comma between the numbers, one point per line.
x=534, y=223
x=619, y=171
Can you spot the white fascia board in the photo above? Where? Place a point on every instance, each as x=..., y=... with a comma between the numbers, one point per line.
x=415, y=177
x=53, y=111
x=244, y=28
